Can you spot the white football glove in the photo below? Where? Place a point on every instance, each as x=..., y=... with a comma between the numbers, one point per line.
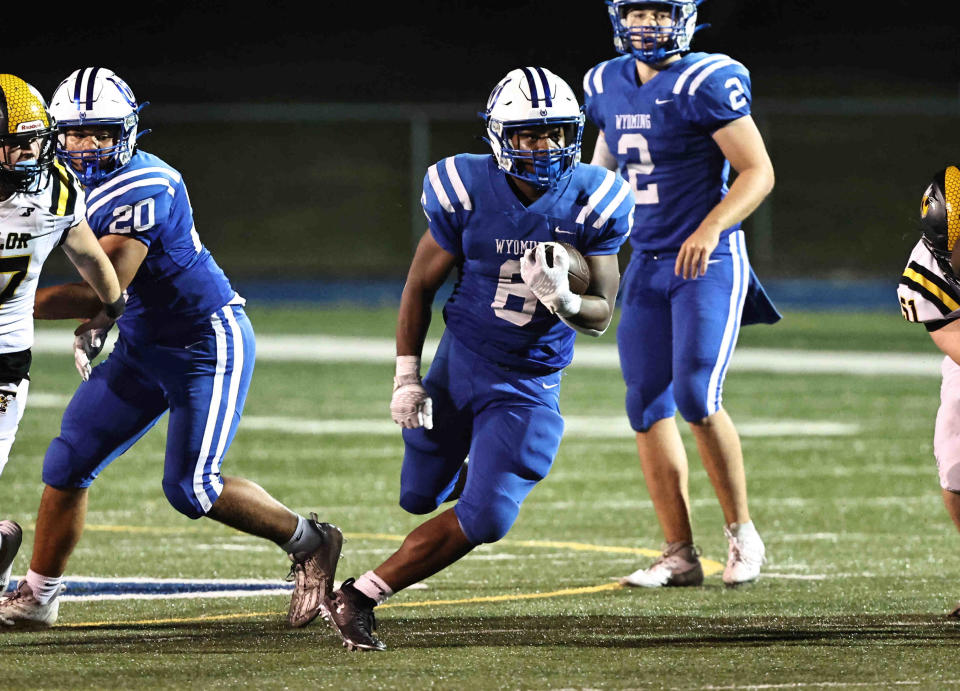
x=411, y=405
x=550, y=283
x=86, y=347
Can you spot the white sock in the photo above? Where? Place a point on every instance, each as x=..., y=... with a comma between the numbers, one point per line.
x=741, y=529
x=305, y=538
x=43, y=588
x=374, y=587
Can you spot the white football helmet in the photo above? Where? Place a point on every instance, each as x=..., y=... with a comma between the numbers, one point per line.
x=534, y=97
x=660, y=41
x=96, y=96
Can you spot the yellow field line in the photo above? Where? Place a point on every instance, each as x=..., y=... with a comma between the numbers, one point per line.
x=710, y=567
x=421, y=603
x=180, y=620
x=507, y=598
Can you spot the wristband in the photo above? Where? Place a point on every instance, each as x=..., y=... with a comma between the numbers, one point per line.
x=114, y=309
x=569, y=306
x=408, y=370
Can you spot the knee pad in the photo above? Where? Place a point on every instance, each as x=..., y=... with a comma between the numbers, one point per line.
x=690, y=390
x=182, y=497
x=488, y=523
x=59, y=469
x=411, y=502
x=643, y=411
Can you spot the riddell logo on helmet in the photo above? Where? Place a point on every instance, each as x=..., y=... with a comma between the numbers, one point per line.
x=30, y=126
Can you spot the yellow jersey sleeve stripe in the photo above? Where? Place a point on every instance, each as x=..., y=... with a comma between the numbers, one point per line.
x=64, y=192
x=932, y=288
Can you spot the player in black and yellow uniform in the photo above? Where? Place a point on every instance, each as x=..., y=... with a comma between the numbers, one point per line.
x=41, y=207
x=929, y=293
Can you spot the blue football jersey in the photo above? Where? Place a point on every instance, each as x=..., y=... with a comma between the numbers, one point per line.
x=660, y=133
x=474, y=214
x=178, y=284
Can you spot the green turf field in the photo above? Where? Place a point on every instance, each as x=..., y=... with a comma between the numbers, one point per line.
x=862, y=564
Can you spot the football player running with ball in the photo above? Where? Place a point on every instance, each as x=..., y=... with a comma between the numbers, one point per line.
x=929, y=293
x=492, y=390
x=41, y=207
x=185, y=347
x=673, y=123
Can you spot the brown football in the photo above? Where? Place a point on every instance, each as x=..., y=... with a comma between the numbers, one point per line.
x=579, y=271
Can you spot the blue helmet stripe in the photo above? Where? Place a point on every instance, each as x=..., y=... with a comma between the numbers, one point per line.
x=76, y=87
x=91, y=80
x=546, y=87
x=534, y=100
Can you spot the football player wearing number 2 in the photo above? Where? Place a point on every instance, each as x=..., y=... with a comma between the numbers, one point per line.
x=673, y=123
x=185, y=347
x=41, y=208
x=493, y=387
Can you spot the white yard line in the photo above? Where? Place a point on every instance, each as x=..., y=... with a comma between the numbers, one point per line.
x=577, y=426
x=320, y=348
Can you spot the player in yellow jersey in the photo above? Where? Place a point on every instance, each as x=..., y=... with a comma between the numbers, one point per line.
x=929, y=293
x=41, y=207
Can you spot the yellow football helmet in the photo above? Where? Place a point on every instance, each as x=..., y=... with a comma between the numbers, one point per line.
x=940, y=218
x=26, y=136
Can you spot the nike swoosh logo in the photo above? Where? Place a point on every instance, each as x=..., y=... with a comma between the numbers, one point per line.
x=549, y=386
x=660, y=103
x=713, y=261
x=565, y=232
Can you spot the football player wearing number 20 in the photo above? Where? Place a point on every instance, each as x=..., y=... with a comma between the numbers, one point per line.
x=185, y=347
x=41, y=208
x=493, y=388
x=673, y=123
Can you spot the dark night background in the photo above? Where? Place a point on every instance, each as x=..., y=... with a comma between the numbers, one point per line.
x=451, y=51
x=858, y=102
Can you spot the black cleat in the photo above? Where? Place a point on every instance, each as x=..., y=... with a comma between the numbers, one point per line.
x=312, y=574
x=11, y=535
x=351, y=613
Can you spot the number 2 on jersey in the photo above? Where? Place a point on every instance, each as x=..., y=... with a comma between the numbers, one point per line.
x=648, y=194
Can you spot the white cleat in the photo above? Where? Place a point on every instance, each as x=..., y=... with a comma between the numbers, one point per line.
x=22, y=610
x=678, y=566
x=747, y=553
x=10, y=538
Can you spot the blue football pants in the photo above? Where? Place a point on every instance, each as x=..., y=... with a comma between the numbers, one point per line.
x=676, y=336
x=203, y=385
x=507, y=422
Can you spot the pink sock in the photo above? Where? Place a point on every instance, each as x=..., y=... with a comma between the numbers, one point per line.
x=374, y=587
